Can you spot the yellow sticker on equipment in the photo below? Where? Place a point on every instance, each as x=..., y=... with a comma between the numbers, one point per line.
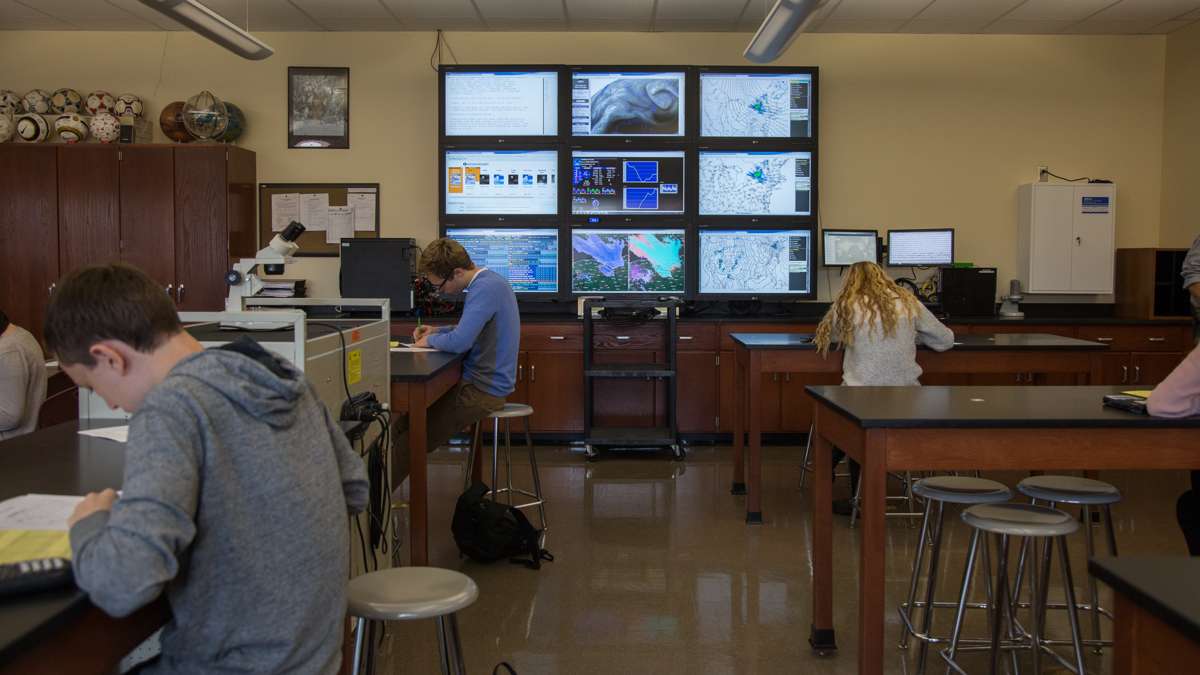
x=354, y=366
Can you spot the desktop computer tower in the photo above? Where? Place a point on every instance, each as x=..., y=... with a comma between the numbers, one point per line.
x=968, y=291
x=379, y=268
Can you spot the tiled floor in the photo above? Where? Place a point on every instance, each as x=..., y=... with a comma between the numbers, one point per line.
x=656, y=572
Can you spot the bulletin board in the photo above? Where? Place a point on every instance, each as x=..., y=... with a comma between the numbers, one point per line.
x=280, y=203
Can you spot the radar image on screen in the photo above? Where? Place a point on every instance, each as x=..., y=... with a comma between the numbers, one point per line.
x=627, y=261
x=754, y=105
x=755, y=183
x=754, y=261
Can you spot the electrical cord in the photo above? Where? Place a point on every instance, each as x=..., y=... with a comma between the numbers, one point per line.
x=342, y=338
x=1069, y=180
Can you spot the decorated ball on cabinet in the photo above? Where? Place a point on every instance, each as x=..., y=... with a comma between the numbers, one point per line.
x=7, y=124
x=105, y=128
x=100, y=101
x=71, y=128
x=236, y=125
x=36, y=101
x=171, y=123
x=12, y=101
x=205, y=116
x=32, y=128
x=66, y=100
x=128, y=105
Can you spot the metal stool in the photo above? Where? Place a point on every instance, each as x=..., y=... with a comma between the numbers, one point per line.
x=1041, y=524
x=806, y=467
x=940, y=490
x=507, y=413
x=1085, y=493
x=410, y=594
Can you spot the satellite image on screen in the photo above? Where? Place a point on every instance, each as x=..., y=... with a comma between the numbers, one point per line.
x=624, y=261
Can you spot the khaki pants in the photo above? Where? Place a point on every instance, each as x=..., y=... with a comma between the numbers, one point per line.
x=461, y=407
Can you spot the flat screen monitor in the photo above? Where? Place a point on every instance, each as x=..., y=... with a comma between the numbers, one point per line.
x=756, y=262
x=628, y=261
x=843, y=248
x=378, y=268
x=627, y=103
x=755, y=183
x=500, y=103
x=756, y=105
x=501, y=182
x=918, y=248
x=528, y=258
x=631, y=182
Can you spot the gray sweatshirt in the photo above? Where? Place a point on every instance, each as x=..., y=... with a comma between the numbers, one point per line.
x=1191, y=269
x=22, y=381
x=235, y=503
x=876, y=360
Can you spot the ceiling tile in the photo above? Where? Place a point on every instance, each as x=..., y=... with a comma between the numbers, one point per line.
x=877, y=10
x=1017, y=27
x=1101, y=27
x=157, y=18
x=343, y=9
x=630, y=11
x=964, y=10
x=1160, y=10
x=445, y=23
x=365, y=25
x=424, y=11
x=695, y=25
x=1192, y=15
x=1170, y=26
x=1058, y=10
x=90, y=14
x=923, y=25
x=20, y=17
x=860, y=26
x=507, y=10
x=699, y=10
x=527, y=24
x=265, y=15
x=608, y=25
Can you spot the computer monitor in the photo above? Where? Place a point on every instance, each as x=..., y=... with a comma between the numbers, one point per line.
x=528, y=258
x=604, y=262
x=501, y=182
x=755, y=104
x=499, y=103
x=629, y=182
x=378, y=267
x=755, y=183
x=636, y=103
x=756, y=262
x=919, y=248
x=842, y=248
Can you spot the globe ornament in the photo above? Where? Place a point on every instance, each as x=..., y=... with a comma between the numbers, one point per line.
x=236, y=126
x=171, y=123
x=205, y=116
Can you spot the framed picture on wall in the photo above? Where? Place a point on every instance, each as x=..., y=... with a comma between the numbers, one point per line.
x=318, y=107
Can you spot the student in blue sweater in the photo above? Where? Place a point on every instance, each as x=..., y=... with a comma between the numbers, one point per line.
x=489, y=332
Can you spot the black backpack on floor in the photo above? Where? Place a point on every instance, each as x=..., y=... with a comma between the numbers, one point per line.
x=487, y=531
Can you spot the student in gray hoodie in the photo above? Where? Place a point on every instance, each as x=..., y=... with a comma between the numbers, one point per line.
x=236, y=491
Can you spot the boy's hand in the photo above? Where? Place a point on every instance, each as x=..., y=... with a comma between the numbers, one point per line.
x=95, y=501
x=422, y=342
x=420, y=332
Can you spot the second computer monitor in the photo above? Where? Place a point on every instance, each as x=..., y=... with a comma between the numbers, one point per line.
x=528, y=258
x=920, y=248
x=756, y=262
x=627, y=182
x=628, y=261
x=842, y=248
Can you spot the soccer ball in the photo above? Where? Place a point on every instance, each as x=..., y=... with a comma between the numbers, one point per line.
x=70, y=128
x=100, y=101
x=128, y=105
x=37, y=101
x=6, y=126
x=66, y=100
x=9, y=100
x=105, y=127
x=32, y=128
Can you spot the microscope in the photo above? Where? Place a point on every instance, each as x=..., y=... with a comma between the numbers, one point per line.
x=244, y=282
x=1009, y=307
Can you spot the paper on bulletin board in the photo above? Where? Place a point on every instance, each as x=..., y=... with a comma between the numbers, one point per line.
x=341, y=224
x=364, y=201
x=19, y=545
x=314, y=211
x=284, y=209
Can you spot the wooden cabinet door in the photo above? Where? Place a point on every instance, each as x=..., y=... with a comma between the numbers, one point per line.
x=28, y=232
x=89, y=210
x=697, y=388
x=201, y=234
x=769, y=415
x=1115, y=369
x=988, y=379
x=520, y=392
x=795, y=405
x=147, y=193
x=1151, y=368
x=624, y=402
x=555, y=390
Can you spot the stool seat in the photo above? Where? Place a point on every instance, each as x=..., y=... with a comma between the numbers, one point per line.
x=1021, y=520
x=512, y=410
x=408, y=593
x=1069, y=490
x=962, y=490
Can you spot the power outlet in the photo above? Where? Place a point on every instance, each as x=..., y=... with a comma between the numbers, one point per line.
x=1042, y=177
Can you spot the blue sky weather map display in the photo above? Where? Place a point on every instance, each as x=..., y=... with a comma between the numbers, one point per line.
x=627, y=261
x=629, y=182
x=758, y=262
x=502, y=181
x=627, y=104
x=756, y=105
x=501, y=103
x=528, y=258
x=755, y=183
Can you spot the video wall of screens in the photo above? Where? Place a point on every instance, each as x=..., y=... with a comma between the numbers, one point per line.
x=657, y=179
x=527, y=257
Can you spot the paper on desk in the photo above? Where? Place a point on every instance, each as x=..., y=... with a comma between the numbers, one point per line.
x=364, y=204
x=284, y=209
x=314, y=211
x=37, y=512
x=1141, y=393
x=19, y=545
x=341, y=224
x=118, y=434
x=413, y=349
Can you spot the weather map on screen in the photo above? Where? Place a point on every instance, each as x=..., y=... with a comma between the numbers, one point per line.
x=627, y=261
x=755, y=105
x=755, y=183
x=755, y=261
x=627, y=104
x=628, y=182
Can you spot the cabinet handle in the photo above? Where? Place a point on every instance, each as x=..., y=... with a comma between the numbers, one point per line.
x=1019, y=377
x=1124, y=374
x=532, y=373
x=1078, y=241
x=1137, y=374
x=171, y=291
x=622, y=338
x=1157, y=339
x=50, y=290
x=774, y=377
x=685, y=338
x=179, y=294
x=557, y=337
x=520, y=372
x=1104, y=339
x=787, y=377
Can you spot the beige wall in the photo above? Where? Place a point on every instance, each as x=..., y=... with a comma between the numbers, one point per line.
x=916, y=130
x=1181, y=139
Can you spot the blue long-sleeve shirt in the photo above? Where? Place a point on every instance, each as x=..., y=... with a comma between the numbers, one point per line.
x=489, y=332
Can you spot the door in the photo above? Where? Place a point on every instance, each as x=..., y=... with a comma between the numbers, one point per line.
x=1149, y=369
x=1051, y=238
x=697, y=387
x=148, y=212
x=555, y=387
x=201, y=235
x=1092, y=250
x=28, y=232
x=89, y=215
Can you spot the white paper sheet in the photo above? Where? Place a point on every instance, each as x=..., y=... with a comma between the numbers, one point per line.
x=37, y=512
x=284, y=209
x=341, y=224
x=118, y=434
x=314, y=212
x=413, y=349
x=364, y=204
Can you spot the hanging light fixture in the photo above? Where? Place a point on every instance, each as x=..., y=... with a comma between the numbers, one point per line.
x=785, y=20
x=213, y=26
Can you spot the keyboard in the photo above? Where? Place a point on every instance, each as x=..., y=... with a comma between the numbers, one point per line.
x=31, y=576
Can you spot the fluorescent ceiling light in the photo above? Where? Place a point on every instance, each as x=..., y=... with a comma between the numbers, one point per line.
x=213, y=26
x=775, y=35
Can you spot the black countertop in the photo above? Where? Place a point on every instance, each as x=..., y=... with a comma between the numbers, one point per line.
x=56, y=460
x=815, y=318
x=421, y=366
x=990, y=407
x=1165, y=586
x=976, y=342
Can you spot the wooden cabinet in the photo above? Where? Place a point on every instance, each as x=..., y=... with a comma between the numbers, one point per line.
x=1065, y=237
x=555, y=390
x=147, y=178
x=89, y=213
x=699, y=389
x=1138, y=369
x=28, y=232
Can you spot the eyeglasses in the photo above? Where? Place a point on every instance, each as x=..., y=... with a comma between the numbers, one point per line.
x=439, y=287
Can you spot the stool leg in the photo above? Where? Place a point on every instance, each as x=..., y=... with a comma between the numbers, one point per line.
x=962, y=601
x=1001, y=595
x=805, y=467
x=1042, y=599
x=508, y=459
x=537, y=482
x=473, y=458
x=1093, y=594
x=907, y=609
x=445, y=656
x=1112, y=534
x=1035, y=605
x=930, y=585
x=1072, y=613
x=495, y=456
x=360, y=629
x=856, y=500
